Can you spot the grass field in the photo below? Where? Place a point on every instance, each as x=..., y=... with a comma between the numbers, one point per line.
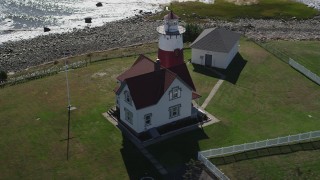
x=298, y=165
x=269, y=99
x=33, y=119
x=221, y=9
x=304, y=52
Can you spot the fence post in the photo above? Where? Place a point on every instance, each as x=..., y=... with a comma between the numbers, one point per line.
x=300, y=137
x=309, y=136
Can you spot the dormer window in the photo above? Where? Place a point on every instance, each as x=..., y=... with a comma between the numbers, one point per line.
x=127, y=97
x=175, y=93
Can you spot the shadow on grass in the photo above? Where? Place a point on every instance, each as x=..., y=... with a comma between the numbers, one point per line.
x=271, y=151
x=231, y=74
x=136, y=164
x=174, y=153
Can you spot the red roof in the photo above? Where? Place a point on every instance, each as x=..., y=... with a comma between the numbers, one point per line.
x=147, y=89
x=116, y=89
x=195, y=95
x=183, y=72
x=148, y=85
x=142, y=65
x=171, y=15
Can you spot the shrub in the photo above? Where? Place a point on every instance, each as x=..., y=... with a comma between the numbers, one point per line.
x=192, y=32
x=193, y=170
x=3, y=76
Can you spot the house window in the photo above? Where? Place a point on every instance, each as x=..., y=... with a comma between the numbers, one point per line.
x=174, y=111
x=128, y=116
x=147, y=119
x=174, y=93
x=127, y=97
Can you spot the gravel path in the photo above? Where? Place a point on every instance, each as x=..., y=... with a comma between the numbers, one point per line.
x=19, y=55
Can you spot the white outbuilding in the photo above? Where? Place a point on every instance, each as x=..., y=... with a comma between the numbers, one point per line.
x=215, y=48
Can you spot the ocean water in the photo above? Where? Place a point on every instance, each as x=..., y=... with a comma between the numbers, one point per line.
x=23, y=19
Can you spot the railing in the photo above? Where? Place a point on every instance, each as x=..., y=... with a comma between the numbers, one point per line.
x=216, y=171
x=305, y=71
x=40, y=74
x=204, y=155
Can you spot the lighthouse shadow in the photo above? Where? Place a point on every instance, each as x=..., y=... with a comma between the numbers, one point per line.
x=176, y=152
x=173, y=154
x=231, y=74
x=137, y=165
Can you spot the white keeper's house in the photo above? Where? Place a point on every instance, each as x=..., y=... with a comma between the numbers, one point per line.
x=154, y=93
x=215, y=48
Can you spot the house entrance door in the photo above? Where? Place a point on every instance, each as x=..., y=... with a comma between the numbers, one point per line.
x=208, y=60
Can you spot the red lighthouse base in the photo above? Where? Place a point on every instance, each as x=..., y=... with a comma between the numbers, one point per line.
x=170, y=58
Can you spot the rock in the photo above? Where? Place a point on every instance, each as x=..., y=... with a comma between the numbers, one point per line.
x=45, y=29
x=136, y=30
x=88, y=20
x=99, y=4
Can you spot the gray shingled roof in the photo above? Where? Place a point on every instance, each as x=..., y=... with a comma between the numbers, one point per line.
x=219, y=40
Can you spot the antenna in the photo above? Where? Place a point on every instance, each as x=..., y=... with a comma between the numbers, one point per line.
x=69, y=104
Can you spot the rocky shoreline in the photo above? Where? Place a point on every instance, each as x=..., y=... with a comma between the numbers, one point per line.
x=19, y=55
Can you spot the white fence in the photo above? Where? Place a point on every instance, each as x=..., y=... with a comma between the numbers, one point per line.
x=203, y=155
x=305, y=71
x=41, y=73
x=216, y=171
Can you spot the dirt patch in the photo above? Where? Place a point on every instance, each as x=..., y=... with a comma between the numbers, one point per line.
x=98, y=74
x=243, y=2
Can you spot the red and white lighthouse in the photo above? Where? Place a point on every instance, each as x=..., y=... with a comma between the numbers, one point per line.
x=170, y=50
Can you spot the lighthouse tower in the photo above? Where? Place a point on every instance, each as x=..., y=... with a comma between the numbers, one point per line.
x=170, y=50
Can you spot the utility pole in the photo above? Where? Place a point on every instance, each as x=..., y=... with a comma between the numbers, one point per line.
x=69, y=105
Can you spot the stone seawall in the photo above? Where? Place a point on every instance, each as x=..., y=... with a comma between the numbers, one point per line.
x=19, y=55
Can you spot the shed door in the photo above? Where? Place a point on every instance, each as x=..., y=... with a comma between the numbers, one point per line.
x=208, y=60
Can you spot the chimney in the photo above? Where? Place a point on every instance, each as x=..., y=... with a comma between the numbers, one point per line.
x=157, y=65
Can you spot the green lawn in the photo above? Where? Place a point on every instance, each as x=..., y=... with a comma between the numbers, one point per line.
x=221, y=9
x=304, y=52
x=298, y=165
x=268, y=100
x=33, y=121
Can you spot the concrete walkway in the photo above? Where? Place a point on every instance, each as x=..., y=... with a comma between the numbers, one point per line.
x=212, y=93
